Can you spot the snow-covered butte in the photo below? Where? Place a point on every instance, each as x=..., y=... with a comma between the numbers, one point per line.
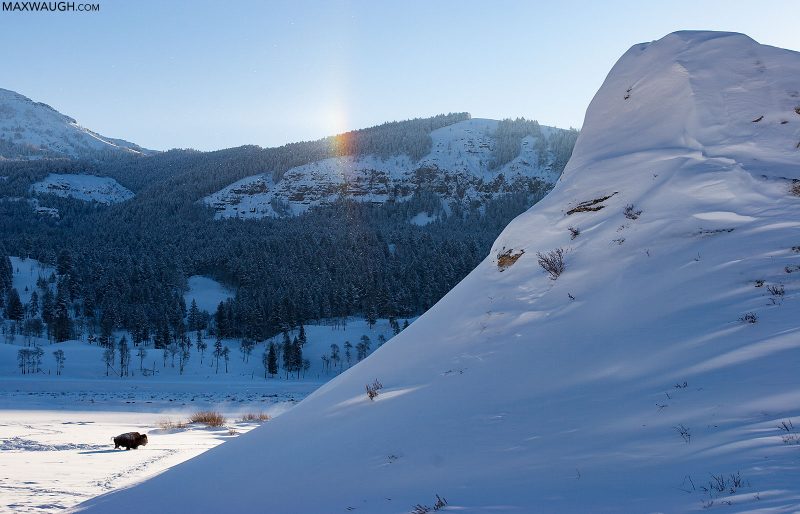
x=626, y=385
x=89, y=188
x=457, y=168
x=31, y=129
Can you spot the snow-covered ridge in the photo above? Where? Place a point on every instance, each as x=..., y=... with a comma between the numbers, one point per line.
x=88, y=188
x=457, y=168
x=657, y=373
x=31, y=129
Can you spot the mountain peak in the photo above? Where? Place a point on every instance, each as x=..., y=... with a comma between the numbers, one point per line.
x=30, y=130
x=717, y=93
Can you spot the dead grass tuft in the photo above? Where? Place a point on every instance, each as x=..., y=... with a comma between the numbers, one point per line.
x=255, y=416
x=209, y=418
x=170, y=424
x=508, y=258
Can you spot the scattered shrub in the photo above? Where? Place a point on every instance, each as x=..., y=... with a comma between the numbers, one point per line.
x=631, y=212
x=790, y=436
x=759, y=283
x=373, y=388
x=424, y=509
x=255, y=416
x=750, y=317
x=776, y=290
x=508, y=258
x=574, y=231
x=208, y=418
x=552, y=262
x=795, y=188
x=169, y=424
x=684, y=432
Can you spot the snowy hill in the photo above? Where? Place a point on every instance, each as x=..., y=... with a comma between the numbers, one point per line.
x=457, y=168
x=88, y=188
x=657, y=373
x=31, y=130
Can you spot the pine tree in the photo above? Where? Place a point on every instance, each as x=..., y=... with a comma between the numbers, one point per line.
x=193, y=320
x=62, y=324
x=64, y=263
x=226, y=353
x=48, y=306
x=33, y=305
x=221, y=320
x=14, y=309
x=106, y=328
x=302, y=335
x=272, y=360
x=6, y=275
x=288, y=354
x=124, y=357
x=217, y=352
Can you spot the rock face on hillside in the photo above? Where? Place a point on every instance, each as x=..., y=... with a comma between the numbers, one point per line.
x=657, y=372
x=32, y=130
x=457, y=169
x=89, y=188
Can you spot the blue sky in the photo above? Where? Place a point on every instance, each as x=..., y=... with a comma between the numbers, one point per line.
x=211, y=75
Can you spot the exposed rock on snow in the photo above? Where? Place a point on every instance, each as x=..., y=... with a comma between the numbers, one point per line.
x=457, y=168
x=88, y=188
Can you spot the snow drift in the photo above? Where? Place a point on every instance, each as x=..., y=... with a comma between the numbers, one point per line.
x=657, y=373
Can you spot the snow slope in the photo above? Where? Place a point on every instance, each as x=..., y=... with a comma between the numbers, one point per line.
x=457, y=168
x=206, y=292
x=25, y=274
x=626, y=385
x=89, y=188
x=31, y=129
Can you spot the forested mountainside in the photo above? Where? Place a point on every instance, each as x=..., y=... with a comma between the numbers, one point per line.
x=126, y=232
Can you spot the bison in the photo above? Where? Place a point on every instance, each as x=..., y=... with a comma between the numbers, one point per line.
x=130, y=440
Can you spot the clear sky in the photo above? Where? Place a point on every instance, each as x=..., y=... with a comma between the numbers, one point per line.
x=216, y=74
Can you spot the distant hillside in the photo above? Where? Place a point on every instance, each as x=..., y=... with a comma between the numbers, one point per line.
x=32, y=130
x=468, y=161
x=438, y=192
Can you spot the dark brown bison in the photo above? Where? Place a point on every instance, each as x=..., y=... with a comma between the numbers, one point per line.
x=130, y=440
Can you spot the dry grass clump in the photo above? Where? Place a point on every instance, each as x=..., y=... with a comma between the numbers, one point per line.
x=794, y=189
x=208, y=418
x=508, y=258
x=170, y=424
x=255, y=416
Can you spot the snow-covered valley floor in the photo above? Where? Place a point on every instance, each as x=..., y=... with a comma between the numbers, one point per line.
x=55, y=435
